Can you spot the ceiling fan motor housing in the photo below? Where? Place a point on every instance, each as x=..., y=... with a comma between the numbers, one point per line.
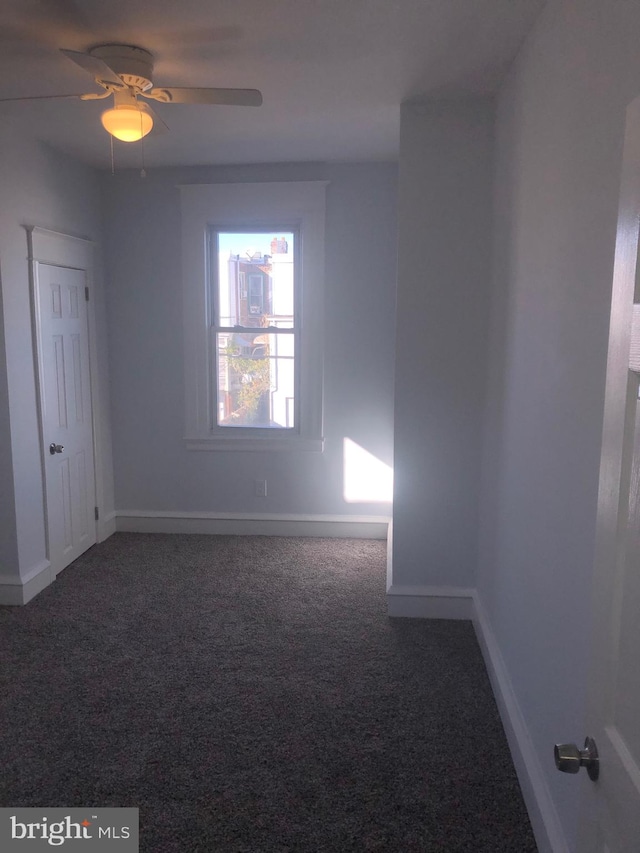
x=133, y=64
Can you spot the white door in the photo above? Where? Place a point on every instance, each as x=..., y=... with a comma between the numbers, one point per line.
x=67, y=425
x=611, y=805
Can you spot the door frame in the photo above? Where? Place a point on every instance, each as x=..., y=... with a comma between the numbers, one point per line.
x=56, y=248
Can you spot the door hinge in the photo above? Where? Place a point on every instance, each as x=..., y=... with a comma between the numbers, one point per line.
x=86, y=294
x=97, y=513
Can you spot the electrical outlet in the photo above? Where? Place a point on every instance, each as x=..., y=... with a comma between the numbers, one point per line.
x=260, y=488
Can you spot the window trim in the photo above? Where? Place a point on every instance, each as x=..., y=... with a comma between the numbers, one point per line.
x=251, y=206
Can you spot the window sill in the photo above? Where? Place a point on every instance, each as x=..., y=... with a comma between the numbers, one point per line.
x=289, y=443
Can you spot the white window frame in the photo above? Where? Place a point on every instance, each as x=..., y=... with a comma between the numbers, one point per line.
x=251, y=207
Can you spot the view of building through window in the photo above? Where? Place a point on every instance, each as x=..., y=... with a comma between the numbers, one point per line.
x=254, y=326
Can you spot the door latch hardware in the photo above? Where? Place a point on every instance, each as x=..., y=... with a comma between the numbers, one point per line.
x=55, y=448
x=569, y=759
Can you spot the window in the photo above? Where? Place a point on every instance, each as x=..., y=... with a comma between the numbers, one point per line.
x=255, y=329
x=253, y=269
x=256, y=294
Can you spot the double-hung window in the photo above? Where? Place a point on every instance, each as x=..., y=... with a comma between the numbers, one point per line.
x=255, y=308
x=253, y=269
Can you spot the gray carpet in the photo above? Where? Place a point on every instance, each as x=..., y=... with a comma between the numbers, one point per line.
x=249, y=694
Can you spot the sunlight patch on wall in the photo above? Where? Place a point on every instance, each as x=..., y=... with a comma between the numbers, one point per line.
x=366, y=478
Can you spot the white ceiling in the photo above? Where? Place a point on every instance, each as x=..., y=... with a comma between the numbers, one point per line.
x=332, y=72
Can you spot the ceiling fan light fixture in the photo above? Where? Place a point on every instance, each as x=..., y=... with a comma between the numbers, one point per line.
x=127, y=122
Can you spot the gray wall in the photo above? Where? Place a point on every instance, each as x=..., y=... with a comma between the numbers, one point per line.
x=153, y=470
x=440, y=361
x=38, y=187
x=560, y=122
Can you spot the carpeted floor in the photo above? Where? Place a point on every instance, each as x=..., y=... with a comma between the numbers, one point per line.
x=249, y=694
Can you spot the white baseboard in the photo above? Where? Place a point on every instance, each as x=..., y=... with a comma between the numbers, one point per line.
x=20, y=590
x=390, y=555
x=106, y=526
x=542, y=812
x=253, y=524
x=430, y=602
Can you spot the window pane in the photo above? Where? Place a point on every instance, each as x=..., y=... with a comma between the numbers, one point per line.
x=255, y=379
x=255, y=279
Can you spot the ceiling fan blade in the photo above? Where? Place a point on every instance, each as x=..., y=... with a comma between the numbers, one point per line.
x=159, y=125
x=96, y=67
x=230, y=97
x=43, y=97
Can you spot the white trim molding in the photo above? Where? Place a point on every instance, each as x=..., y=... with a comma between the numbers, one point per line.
x=537, y=796
x=46, y=247
x=253, y=524
x=106, y=526
x=56, y=248
x=20, y=590
x=293, y=442
x=261, y=207
x=430, y=602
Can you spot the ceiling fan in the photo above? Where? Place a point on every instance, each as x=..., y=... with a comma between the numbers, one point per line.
x=126, y=72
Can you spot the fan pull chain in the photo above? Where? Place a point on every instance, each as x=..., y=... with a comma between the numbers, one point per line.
x=113, y=168
x=143, y=171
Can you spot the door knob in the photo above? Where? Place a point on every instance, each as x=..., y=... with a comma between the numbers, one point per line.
x=569, y=759
x=55, y=448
